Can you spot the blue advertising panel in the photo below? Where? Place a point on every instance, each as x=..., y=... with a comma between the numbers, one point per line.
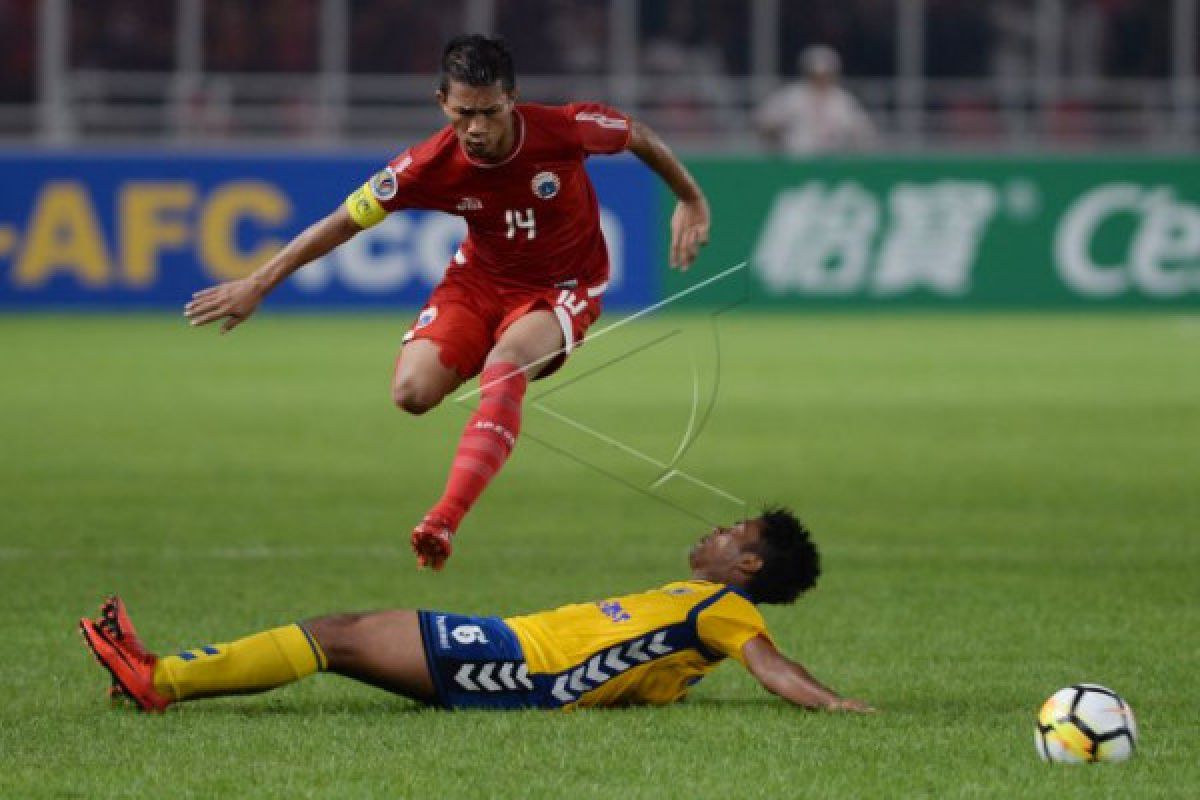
x=107, y=231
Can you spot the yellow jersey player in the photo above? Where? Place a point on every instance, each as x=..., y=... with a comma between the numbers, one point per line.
x=639, y=649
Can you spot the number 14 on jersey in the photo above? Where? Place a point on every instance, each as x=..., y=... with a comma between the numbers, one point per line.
x=521, y=221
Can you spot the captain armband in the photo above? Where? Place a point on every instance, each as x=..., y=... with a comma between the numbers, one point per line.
x=364, y=208
x=366, y=203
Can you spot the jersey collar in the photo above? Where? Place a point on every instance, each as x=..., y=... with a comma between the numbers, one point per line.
x=516, y=148
x=739, y=592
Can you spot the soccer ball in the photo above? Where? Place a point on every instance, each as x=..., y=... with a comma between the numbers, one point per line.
x=1085, y=723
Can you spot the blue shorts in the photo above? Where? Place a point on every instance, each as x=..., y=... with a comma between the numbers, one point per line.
x=477, y=662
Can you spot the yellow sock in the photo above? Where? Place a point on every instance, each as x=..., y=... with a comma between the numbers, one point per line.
x=254, y=664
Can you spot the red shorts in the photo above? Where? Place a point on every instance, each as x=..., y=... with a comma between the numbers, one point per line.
x=468, y=313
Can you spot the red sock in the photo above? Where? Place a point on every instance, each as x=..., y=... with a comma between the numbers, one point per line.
x=487, y=441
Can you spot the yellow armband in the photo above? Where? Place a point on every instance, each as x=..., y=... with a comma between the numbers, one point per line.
x=364, y=208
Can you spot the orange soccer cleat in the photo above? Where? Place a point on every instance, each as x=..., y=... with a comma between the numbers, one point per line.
x=115, y=645
x=431, y=542
x=114, y=618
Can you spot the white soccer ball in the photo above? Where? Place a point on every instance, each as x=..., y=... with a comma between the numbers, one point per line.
x=1085, y=723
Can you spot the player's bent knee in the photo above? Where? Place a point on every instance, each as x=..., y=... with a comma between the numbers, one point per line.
x=335, y=635
x=414, y=398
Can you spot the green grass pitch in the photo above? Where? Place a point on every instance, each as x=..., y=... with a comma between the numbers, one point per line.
x=1006, y=504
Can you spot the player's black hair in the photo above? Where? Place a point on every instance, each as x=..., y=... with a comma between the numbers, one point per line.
x=791, y=563
x=477, y=60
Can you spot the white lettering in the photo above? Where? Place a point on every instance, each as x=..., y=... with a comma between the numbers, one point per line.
x=1169, y=236
x=934, y=236
x=521, y=221
x=378, y=263
x=817, y=241
x=1072, y=244
x=469, y=634
x=389, y=256
x=1162, y=259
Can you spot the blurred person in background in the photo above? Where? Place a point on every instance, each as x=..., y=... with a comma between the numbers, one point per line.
x=815, y=115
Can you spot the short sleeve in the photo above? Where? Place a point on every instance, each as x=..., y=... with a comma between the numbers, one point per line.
x=600, y=128
x=729, y=623
x=392, y=188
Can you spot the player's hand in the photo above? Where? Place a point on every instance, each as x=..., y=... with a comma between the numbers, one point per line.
x=233, y=302
x=689, y=232
x=850, y=705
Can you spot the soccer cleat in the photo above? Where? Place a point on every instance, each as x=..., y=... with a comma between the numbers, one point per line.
x=114, y=618
x=132, y=671
x=431, y=542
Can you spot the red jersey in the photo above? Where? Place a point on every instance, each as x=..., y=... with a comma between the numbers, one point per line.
x=532, y=219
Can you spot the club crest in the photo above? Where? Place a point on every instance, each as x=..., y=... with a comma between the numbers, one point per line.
x=546, y=185
x=383, y=184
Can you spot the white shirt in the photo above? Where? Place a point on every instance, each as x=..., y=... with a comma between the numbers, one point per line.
x=816, y=121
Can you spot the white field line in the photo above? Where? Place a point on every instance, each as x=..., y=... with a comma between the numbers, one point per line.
x=615, y=326
x=669, y=471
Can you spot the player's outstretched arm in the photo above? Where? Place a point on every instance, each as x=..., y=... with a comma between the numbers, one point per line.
x=236, y=300
x=690, y=222
x=784, y=677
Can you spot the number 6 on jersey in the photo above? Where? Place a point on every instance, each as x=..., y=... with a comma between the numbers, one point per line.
x=469, y=634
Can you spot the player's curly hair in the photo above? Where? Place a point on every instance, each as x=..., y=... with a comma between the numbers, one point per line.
x=477, y=60
x=791, y=563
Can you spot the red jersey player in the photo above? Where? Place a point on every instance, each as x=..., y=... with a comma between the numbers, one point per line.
x=530, y=278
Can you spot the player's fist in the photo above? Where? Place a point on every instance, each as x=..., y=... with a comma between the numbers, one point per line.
x=233, y=301
x=689, y=231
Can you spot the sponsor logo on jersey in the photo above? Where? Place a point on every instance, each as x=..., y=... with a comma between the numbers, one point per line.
x=469, y=204
x=443, y=636
x=614, y=611
x=383, y=184
x=678, y=590
x=426, y=316
x=546, y=185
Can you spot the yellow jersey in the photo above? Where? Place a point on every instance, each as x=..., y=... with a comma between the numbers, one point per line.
x=645, y=648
